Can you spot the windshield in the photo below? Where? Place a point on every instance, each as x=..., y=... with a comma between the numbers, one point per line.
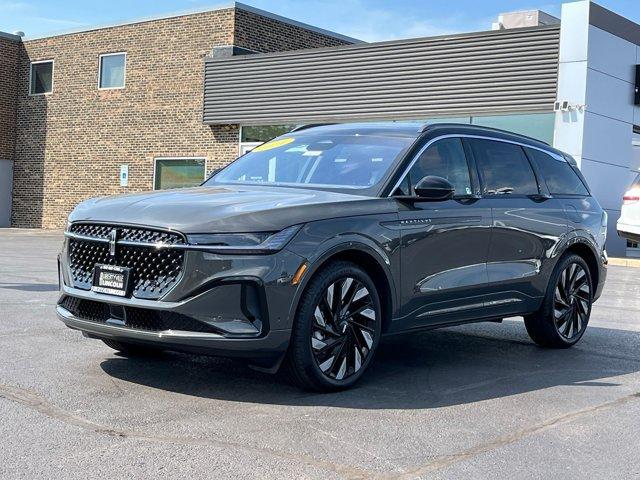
x=322, y=160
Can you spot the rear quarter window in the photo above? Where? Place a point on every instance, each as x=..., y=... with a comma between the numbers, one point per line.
x=559, y=176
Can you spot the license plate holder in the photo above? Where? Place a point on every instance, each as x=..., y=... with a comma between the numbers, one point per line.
x=111, y=280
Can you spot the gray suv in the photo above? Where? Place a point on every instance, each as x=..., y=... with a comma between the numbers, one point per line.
x=306, y=251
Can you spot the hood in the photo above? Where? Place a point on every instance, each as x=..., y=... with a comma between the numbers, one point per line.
x=227, y=208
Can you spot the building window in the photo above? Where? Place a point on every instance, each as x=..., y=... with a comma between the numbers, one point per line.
x=112, y=70
x=41, y=78
x=178, y=172
x=253, y=135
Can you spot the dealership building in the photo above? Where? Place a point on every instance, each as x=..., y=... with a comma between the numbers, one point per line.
x=159, y=103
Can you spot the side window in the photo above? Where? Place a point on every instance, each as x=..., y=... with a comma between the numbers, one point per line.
x=445, y=158
x=561, y=179
x=504, y=168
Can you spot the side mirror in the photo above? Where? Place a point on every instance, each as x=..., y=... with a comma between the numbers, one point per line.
x=432, y=188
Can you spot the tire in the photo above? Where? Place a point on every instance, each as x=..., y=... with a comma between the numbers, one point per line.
x=337, y=329
x=566, y=308
x=132, y=350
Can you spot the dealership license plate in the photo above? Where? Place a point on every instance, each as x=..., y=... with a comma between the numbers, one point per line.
x=111, y=279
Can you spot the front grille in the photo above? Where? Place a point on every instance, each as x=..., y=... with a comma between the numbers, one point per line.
x=134, y=317
x=153, y=270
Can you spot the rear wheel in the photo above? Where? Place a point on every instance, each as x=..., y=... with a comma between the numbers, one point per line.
x=337, y=329
x=564, y=315
x=130, y=349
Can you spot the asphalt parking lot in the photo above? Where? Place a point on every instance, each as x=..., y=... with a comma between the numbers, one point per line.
x=478, y=401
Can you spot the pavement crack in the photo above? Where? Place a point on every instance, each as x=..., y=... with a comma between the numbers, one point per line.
x=35, y=401
x=448, y=460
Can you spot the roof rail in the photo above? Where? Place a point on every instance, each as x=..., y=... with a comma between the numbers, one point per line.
x=480, y=127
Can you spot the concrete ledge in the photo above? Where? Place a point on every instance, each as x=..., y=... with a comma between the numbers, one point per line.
x=625, y=262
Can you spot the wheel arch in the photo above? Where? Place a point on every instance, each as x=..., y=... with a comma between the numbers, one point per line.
x=370, y=258
x=584, y=249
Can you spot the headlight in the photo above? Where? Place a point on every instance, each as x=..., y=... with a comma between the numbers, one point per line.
x=260, y=242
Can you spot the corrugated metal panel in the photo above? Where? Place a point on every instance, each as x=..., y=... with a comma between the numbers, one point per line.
x=502, y=71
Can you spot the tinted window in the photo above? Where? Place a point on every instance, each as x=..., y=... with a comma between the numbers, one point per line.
x=561, y=179
x=446, y=159
x=504, y=168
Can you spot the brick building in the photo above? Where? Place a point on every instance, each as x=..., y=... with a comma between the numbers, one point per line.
x=69, y=143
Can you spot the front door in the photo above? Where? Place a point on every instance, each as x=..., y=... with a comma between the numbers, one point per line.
x=445, y=243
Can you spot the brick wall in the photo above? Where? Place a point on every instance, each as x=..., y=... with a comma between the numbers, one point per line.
x=9, y=52
x=70, y=144
x=263, y=34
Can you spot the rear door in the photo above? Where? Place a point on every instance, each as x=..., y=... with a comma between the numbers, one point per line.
x=444, y=243
x=527, y=225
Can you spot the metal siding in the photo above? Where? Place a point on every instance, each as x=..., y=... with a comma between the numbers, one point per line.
x=487, y=72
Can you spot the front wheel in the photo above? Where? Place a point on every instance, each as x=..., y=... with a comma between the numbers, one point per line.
x=564, y=315
x=337, y=329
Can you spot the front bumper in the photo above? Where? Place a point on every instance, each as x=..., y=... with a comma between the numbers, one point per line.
x=269, y=348
x=223, y=305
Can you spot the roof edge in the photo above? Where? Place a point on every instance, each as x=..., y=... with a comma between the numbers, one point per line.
x=150, y=18
x=11, y=36
x=614, y=23
x=383, y=43
x=222, y=6
x=306, y=26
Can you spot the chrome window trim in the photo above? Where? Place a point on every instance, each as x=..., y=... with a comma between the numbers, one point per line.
x=464, y=135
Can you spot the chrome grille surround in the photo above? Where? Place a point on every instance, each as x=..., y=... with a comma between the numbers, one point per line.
x=154, y=269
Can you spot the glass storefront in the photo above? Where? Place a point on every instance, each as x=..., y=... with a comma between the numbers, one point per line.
x=253, y=135
x=536, y=125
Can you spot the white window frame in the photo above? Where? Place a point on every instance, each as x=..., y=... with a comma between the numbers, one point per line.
x=245, y=147
x=155, y=166
x=124, y=83
x=53, y=76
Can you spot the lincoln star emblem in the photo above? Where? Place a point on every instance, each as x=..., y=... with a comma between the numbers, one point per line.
x=113, y=237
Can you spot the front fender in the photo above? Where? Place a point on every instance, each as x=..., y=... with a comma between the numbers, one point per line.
x=377, y=242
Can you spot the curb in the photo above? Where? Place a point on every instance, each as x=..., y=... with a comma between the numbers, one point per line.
x=625, y=262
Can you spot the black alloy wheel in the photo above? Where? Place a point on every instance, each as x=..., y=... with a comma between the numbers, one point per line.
x=572, y=302
x=566, y=308
x=343, y=329
x=337, y=328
